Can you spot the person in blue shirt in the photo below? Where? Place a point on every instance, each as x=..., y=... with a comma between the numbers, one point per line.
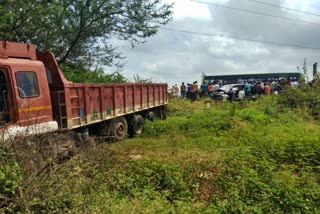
x=247, y=89
x=203, y=90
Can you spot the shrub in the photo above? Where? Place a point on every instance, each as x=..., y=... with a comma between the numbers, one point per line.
x=10, y=180
x=209, y=122
x=307, y=99
x=270, y=177
x=293, y=98
x=150, y=177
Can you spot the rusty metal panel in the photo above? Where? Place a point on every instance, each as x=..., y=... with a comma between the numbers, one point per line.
x=129, y=99
x=93, y=107
x=119, y=100
x=108, y=107
x=157, y=95
x=138, y=98
x=151, y=96
x=17, y=50
x=91, y=103
x=163, y=95
x=145, y=102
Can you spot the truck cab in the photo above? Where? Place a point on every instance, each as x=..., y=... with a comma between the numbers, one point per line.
x=25, y=105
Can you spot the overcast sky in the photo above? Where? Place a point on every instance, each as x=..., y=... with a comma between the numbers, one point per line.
x=176, y=57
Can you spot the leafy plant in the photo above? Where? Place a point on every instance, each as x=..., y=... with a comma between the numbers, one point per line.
x=10, y=180
x=79, y=74
x=81, y=32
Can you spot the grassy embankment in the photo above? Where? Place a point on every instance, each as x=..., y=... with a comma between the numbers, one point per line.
x=257, y=157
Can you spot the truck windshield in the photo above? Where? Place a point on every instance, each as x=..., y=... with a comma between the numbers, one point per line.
x=28, y=84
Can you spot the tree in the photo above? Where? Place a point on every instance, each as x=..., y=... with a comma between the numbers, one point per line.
x=138, y=79
x=79, y=31
x=305, y=71
x=76, y=73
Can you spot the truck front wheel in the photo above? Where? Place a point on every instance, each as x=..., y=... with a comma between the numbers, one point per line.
x=119, y=128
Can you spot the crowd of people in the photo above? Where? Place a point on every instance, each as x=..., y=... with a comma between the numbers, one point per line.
x=247, y=89
x=190, y=91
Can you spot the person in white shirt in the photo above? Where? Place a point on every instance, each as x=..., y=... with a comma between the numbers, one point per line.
x=225, y=97
x=241, y=94
x=216, y=86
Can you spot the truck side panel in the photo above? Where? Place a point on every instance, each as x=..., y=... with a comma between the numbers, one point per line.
x=85, y=104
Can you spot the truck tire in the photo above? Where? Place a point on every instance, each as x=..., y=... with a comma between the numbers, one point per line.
x=151, y=116
x=136, y=125
x=119, y=128
x=163, y=113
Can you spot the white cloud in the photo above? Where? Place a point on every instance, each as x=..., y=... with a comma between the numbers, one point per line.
x=222, y=47
x=188, y=9
x=297, y=4
x=150, y=66
x=174, y=57
x=230, y=65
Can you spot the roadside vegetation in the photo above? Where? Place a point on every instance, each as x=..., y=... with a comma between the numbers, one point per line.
x=249, y=157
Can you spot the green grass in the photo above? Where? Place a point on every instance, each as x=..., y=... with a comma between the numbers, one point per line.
x=257, y=157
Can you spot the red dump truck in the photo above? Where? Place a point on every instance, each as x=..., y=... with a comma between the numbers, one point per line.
x=36, y=98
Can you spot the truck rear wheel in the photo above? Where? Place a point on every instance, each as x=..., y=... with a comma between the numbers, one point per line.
x=119, y=128
x=136, y=125
x=151, y=116
x=163, y=113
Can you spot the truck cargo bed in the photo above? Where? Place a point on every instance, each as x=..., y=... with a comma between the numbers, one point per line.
x=82, y=104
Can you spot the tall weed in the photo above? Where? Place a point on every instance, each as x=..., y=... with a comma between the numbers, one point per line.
x=10, y=181
x=269, y=177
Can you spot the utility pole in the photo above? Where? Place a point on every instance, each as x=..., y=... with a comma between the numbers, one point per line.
x=306, y=79
x=202, y=77
x=315, y=70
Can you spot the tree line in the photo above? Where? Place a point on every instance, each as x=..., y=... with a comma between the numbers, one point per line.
x=79, y=33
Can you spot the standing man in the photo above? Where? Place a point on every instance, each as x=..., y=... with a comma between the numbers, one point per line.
x=247, y=89
x=210, y=89
x=241, y=94
x=203, y=90
x=189, y=89
x=194, y=91
x=267, y=88
x=216, y=86
x=183, y=90
x=172, y=95
x=176, y=91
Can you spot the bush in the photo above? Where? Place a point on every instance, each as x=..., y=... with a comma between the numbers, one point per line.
x=308, y=100
x=270, y=177
x=293, y=98
x=10, y=180
x=193, y=125
x=150, y=177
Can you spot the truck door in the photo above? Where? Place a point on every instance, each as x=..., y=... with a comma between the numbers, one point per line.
x=4, y=98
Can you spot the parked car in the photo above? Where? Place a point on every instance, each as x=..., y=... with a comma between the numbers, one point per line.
x=226, y=89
